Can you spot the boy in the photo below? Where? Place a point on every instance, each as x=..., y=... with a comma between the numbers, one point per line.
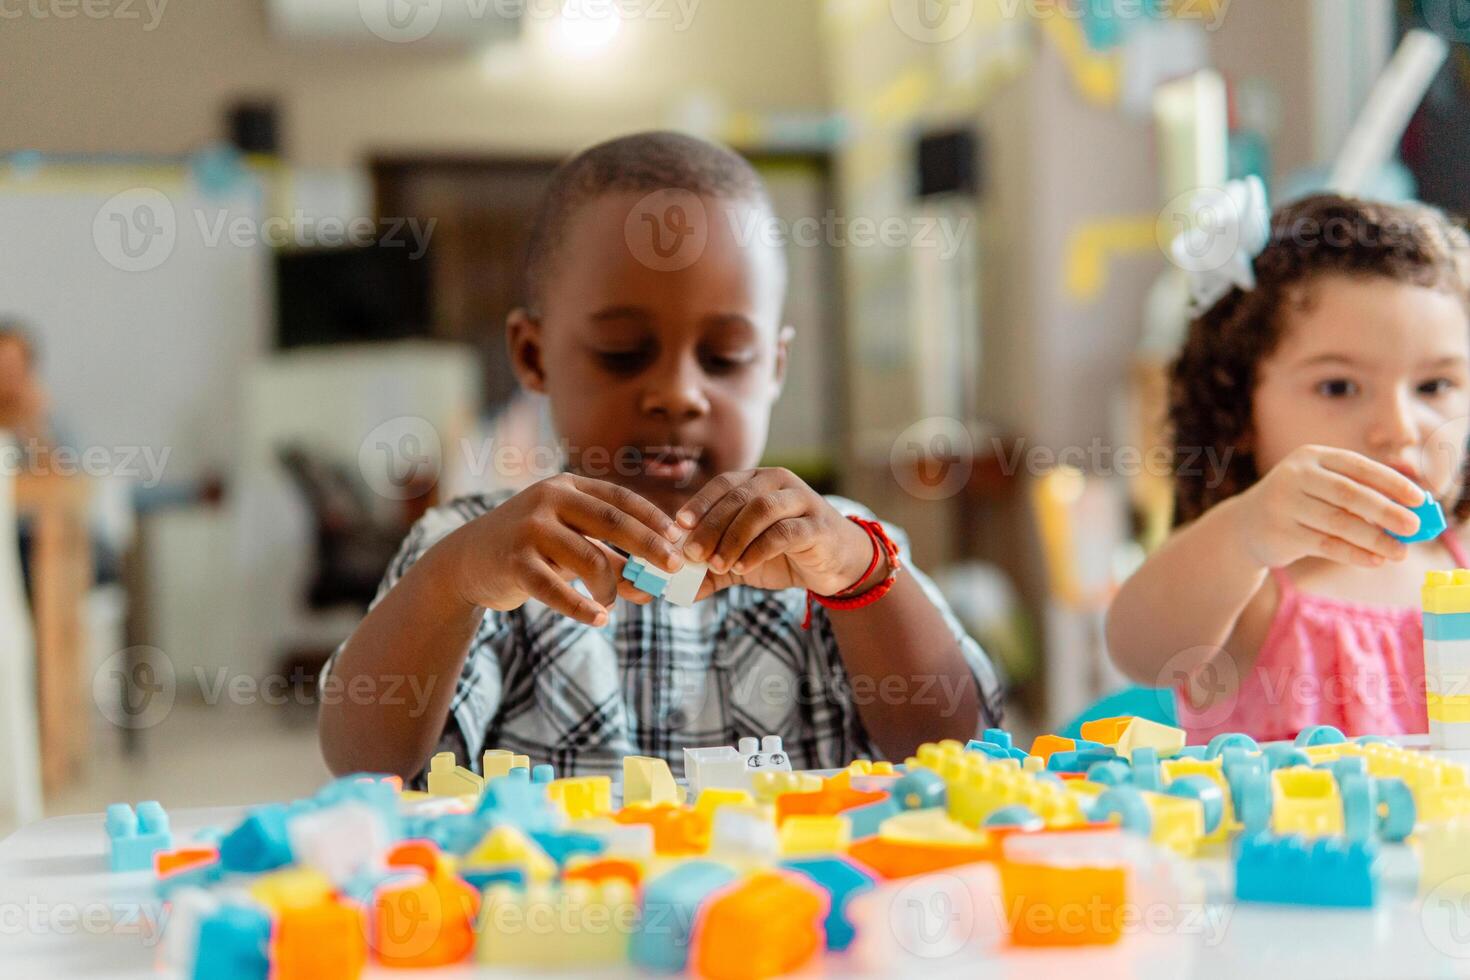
x=660, y=378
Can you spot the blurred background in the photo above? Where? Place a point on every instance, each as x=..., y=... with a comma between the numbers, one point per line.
x=257, y=257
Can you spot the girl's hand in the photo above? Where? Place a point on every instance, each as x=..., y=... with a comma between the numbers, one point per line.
x=1321, y=502
x=537, y=542
x=767, y=528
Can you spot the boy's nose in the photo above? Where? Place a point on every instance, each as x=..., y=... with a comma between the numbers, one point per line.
x=675, y=396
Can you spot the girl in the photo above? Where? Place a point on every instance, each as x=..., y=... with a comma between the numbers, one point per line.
x=1332, y=373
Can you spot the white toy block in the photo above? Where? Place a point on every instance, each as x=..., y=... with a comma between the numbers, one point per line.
x=633, y=841
x=499, y=762
x=743, y=833
x=339, y=841
x=680, y=588
x=726, y=768
x=771, y=757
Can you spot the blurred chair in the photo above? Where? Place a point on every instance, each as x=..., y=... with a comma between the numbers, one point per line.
x=20, y=757
x=1080, y=520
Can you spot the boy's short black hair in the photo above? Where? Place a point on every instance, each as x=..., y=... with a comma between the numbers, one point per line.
x=642, y=162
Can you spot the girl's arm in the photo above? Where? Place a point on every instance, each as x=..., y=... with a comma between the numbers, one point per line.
x=1176, y=612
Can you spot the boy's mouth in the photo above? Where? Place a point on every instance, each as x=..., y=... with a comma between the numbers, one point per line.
x=675, y=464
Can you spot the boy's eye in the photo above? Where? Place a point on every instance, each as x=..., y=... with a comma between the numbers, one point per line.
x=725, y=363
x=1436, y=386
x=623, y=361
x=1337, y=388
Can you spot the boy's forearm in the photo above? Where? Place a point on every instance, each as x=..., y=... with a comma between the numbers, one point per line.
x=404, y=659
x=1180, y=607
x=910, y=680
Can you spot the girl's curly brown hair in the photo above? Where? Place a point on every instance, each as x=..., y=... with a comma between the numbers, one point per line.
x=1213, y=381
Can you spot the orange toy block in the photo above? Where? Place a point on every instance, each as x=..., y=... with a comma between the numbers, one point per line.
x=601, y=869
x=828, y=800
x=903, y=859
x=424, y=923
x=1051, y=905
x=1045, y=745
x=167, y=862
x=677, y=830
x=319, y=942
x=768, y=925
x=422, y=854
x=1105, y=730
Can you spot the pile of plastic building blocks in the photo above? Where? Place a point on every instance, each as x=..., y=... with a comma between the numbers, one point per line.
x=748, y=869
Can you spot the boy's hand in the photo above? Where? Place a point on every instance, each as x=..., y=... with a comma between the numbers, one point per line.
x=767, y=528
x=1327, y=503
x=537, y=542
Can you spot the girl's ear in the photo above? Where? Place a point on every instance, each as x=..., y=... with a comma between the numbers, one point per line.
x=523, y=341
x=783, y=354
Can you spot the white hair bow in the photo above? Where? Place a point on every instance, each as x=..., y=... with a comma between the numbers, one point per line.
x=1228, y=227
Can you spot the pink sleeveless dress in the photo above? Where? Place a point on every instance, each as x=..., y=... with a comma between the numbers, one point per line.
x=1325, y=661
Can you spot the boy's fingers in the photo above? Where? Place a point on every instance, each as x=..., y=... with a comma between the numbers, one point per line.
x=705, y=538
x=631, y=504
x=698, y=505
x=632, y=593
x=752, y=521
x=542, y=583
x=600, y=518
x=1388, y=481
x=1335, y=522
x=1335, y=489
x=591, y=561
x=773, y=542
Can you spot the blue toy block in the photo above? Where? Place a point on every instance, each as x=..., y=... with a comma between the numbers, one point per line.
x=865, y=820
x=1292, y=870
x=1320, y=735
x=1431, y=522
x=563, y=844
x=370, y=790
x=637, y=572
x=670, y=906
x=918, y=790
x=841, y=879
x=1078, y=760
x=1015, y=815
x=518, y=802
x=233, y=944
x=133, y=838
x=455, y=833
x=258, y=842
x=542, y=773
x=482, y=878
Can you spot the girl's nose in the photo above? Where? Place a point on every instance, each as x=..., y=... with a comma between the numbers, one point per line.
x=1395, y=422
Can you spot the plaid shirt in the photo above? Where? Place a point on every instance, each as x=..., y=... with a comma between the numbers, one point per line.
x=658, y=678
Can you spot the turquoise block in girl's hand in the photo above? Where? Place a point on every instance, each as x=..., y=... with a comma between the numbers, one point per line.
x=1431, y=522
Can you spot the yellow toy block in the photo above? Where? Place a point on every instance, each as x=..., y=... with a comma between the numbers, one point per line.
x=1212, y=769
x=648, y=780
x=1439, y=786
x=508, y=845
x=929, y=826
x=771, y=784
x=714, y=797
x=1106, y=730
x=1305, y=801
x=448, y=778
x=1444, y=858
x=291, y=888
x=582, y=796
x=575, y=924
x=812, y=834
x=977, y=786
x=1033, y=763
x=1144, y=734
x=1178, y=823
x=499, y=762
x=1447, y=592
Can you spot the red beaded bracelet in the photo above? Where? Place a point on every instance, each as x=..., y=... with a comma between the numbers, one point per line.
x=882, y=546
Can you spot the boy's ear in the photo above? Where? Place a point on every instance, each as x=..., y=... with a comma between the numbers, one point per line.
x=783, y=354
x=523, y=341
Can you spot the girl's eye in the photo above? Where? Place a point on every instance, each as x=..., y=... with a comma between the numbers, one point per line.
x=623, y=361
x=1437, y=386
x=1337, y=388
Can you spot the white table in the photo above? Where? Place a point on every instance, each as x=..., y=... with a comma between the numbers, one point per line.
x=62, y=914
